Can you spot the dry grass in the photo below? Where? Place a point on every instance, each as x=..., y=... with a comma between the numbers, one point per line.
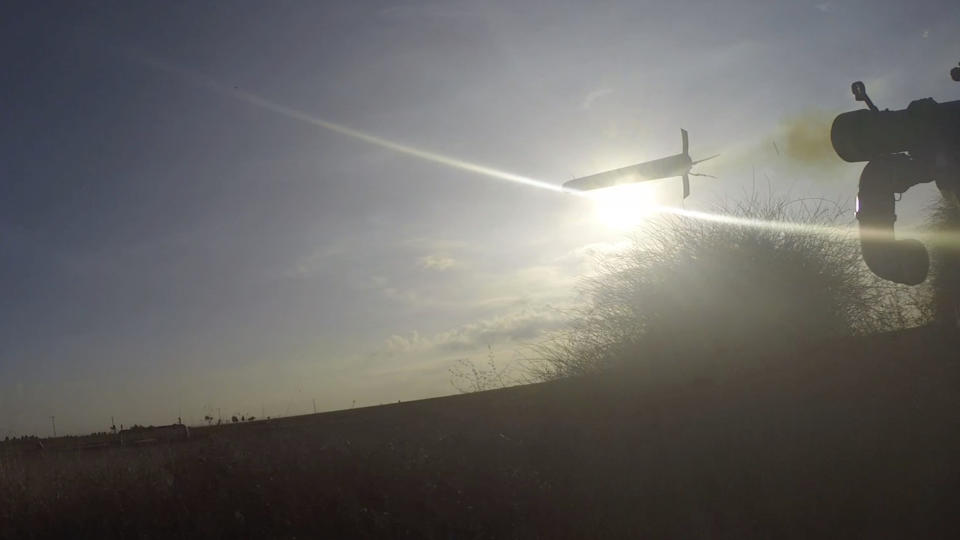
x=695, y=285
x=857, y=438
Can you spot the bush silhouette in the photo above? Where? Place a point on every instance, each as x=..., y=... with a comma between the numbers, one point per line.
x=699, y=289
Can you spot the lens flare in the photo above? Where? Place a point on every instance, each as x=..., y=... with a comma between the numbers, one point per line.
x=785, y=226
x=623, y=210
x=623, y=207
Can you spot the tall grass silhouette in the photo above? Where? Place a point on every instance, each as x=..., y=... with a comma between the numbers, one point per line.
x=706, y=290
x=944, y=281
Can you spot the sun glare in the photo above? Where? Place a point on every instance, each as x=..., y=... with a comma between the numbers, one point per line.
x=624, y=207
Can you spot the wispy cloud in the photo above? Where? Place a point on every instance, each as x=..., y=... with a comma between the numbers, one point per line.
x=511, y=329
x=436, y=262
x=593, y=96
x=313, y=263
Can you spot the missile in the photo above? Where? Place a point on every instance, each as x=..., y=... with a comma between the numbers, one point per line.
x=668, y=167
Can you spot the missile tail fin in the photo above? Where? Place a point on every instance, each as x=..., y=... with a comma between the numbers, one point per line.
x=686, y=142
x=686, y=186
x=704, y=159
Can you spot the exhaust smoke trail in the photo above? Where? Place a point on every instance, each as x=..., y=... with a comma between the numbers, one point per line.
x=300, y=116
x=490, y=172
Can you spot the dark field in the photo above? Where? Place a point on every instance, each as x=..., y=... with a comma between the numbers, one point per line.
x=856, y=438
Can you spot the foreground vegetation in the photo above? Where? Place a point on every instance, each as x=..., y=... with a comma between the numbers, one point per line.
x=778, y=273
x=723, y=381
x=853, y=438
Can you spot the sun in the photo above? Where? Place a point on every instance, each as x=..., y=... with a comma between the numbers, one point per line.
x=624, y=207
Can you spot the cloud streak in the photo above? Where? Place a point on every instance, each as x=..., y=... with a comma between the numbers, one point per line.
x=593, y=96
x=436, y=262
x=515, y=328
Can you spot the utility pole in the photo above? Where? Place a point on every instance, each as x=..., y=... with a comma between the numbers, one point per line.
x=53, y=420
x=314, y=405
x=219, y=416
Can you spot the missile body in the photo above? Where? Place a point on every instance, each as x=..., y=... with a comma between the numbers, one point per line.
x=668, y=167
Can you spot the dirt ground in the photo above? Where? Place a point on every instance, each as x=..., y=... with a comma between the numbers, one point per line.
x=856, y=438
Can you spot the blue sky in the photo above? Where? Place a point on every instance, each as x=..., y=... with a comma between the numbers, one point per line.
x=167, y=247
